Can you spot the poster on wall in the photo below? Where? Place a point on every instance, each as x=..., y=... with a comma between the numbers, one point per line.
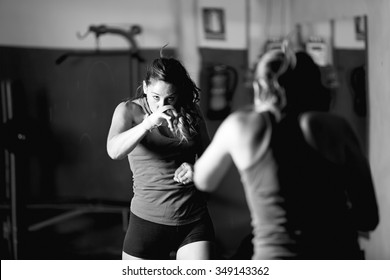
x=360, y=28
x=214, y=23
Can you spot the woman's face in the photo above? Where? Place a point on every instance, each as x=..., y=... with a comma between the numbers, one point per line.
x=159, y=93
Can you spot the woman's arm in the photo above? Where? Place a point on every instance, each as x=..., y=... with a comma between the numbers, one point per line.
x=210, y=168
x=130, y=125
x=335, y=139
x=361, y=192
x=122, y=136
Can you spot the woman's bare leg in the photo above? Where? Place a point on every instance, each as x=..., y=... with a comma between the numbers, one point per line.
x=200, y=250
x=126, y=256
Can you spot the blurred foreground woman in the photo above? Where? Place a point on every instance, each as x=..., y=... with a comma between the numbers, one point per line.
x=307, y=183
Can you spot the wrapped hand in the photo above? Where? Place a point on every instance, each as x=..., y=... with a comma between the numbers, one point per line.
x=165, y=115
x=185, y=173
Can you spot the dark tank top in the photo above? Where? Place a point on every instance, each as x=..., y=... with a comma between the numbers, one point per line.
x=157, y=197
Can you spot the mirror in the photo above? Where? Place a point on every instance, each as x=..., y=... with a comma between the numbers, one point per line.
x=339, y=47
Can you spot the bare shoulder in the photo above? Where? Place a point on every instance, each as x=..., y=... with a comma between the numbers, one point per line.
x=328, y=133
x=313, y=123
x=247, y=121
x=322, y=119
x=130, y=111
x=245, y=124
x=244, y=132
x=128, y=107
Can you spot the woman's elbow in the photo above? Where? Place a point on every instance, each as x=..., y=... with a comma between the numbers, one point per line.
x=368, y=222
x=113, y=154
x=202, y=183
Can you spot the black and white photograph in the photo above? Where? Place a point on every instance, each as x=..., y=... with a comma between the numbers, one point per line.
x=224, y=131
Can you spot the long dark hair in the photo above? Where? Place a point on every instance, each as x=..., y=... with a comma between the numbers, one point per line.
x=171, y=71
x=304, y=88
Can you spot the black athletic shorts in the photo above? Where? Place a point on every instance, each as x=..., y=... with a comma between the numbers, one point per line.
x=148, y=240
